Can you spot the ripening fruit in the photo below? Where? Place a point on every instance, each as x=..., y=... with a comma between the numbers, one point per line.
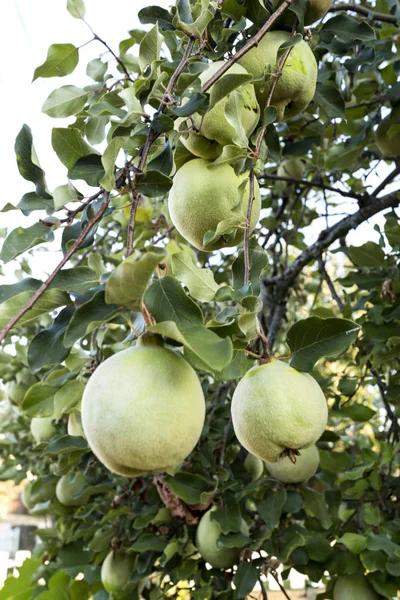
x=207, y=534
x=388, y=136
x=143, y=410
x=116, y=571
x=316, y=10
x=276, y=409
x=296, y=86
x=354, y=587
x=74, y=426
x=201, y=197
x=42, y=428
x=291, y=167
x=214, y=129
x=68, y=486
x=303, y=469
x=254, y=466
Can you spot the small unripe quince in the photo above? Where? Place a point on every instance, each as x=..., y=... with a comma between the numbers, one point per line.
x=354, y=587
x=202, y=197
x=42, y=428
x=316, y=10
x=296, y=86
x=116, y=571
x=214, y=129
x=143, y=410
x=388, y=136
x=303, y=469
x=207, y=534
x=291, y=167
x=69, y=485
x=276, y=409
x=254, y=466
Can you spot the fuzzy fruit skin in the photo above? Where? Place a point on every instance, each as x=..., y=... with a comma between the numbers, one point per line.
x=305, y=467
x=42, y=428
x=275, y=408
x=201, y=197
x=296, y=86
x=207, y=534
x=69, y=485
x=354, y=587
x=291, y=167
x=316, y=10
x=389, y=146
x=254, y=466
x=143, y=410
x=214, y=129
x=115, y=571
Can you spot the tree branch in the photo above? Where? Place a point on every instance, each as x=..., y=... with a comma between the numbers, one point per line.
x=387, y=180
x=247, y=228
x=254, y=41
x=324, y=273
x=119, y=61
x=366, y=12
x=14, y=320
x=312, y=183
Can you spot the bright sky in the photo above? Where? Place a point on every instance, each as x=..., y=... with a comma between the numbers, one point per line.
x=27, y=29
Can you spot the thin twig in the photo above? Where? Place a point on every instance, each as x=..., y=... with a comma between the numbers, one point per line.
x=119, y=61
x=311, y=183
x=224, y=441
x=248, y=228
x=132, y=216
x=387, y=180
x=253, y=42
x=324, y=274
x=276, y=577
x=366, y=12
x=71, y=251
x=263, y=590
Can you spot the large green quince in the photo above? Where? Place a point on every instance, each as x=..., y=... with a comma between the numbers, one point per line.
x=215, y=129
x=116, y=571
x=303, y=469
x=205, y=196
x=388, y=135
x=296, y=86
x=143, y=410
x=208, y=532
x=354, y=587
x=276, y=410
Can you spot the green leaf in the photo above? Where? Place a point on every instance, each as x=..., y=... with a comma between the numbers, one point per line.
x=128, y=282
x=270, y=508
x=61, y=60
x=367, y=255
x=76, y=8
x=64, y=194
x=167, y=301
x=23, y=586
x=50, y=300
x=69, y=145
x=378, y=542
x=200, y=282
x=39, y=400
x=227, y=84
x=20, y=240
x=47, y=346
x=89, y=168
x=355, y=542
x=77, y=280
x=33, y=201
x=245, y=579
x=346, y=29
x=196, y=102
x=258, y=260
x=108, y=160
x=150, y=46
x=328, y=97
x=392, y=229
x=149, y=541
x=312, y=338
x=156, y=14
x=28, y=164
x=192, y=489
x=315, y=503
x=96, y=69
x=358, y=412
x=153, y=184
x=88, y=316
x=67, y=397
x=27, y=284
x=66, y=444
x=228, y=518
x=65, y=101
x=233, y=113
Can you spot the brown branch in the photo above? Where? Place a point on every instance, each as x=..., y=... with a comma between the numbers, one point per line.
x=253, y=42
x=247, y=228
x=366, y=12
x=325, y=275
x=45, y=285
x=263, y=590
x=387, y=180
x=175, y=76
x=276, y=577
x=132, y=216
x=312, y=183
x=119, y=61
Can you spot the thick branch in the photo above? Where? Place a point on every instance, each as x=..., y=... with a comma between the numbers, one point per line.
x=58, y=268
x=253, y=42
x=387, y=180
x=366, y=12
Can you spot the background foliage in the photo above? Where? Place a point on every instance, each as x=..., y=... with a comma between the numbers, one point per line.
x=111, y=223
